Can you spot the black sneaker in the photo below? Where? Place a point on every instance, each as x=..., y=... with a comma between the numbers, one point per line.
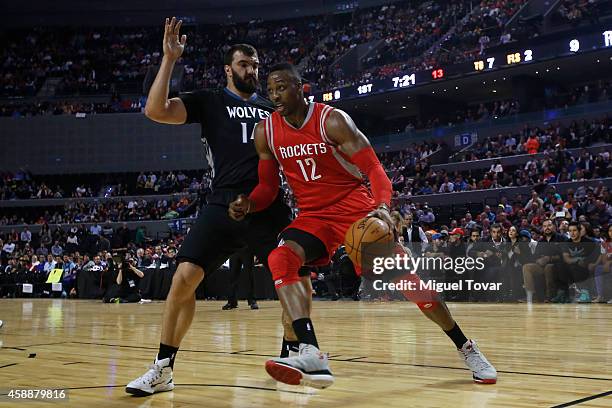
x=254, y=306
x=230, y=305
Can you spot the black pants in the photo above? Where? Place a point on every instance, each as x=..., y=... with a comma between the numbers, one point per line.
x=215, y=236
x=114, y=291
x=239, y=261
x=569, y=274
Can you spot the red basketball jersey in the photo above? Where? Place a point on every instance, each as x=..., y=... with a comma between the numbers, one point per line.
x=319, y=174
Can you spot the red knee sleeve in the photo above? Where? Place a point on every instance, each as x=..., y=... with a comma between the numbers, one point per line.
x=425, y=299
x=284, y=265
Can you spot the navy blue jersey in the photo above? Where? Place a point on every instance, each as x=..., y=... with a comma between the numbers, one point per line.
x=227, y=133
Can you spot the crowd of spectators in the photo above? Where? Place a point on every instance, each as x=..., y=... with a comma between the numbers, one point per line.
x=535, y=139
x=514, y=238
x=453, y=33
x=407, y=29
x=481, y=29
x=66, y=107
x=87, y=61
x=556, y=167
x=78, y=251
x=24, y=185
x=563, y=241
x=108, y=59
x=411, y=173
x=114, y=60
x=575, y=12
x=409, y=169
x=415, y=35
x=113, y=210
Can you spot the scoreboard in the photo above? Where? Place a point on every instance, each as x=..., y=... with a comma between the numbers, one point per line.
x=486, y=63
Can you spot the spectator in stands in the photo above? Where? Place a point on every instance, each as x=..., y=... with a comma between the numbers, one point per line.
x=492, y=250
x=519, y=251
x=95, y=229
x=49, y=264
x=426, y=216
x=56, y=249
x=579, y=255
x=413, y=233
x=532, y=144
x=603, y=268
x=26, y=236
x=128, y=278
x=7, y=251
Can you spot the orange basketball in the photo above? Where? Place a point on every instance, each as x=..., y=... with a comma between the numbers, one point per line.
x=366, y=231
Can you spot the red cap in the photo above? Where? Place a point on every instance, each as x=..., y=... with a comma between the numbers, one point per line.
x=456, y=231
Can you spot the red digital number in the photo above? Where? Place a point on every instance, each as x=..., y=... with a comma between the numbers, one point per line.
x=437, y=73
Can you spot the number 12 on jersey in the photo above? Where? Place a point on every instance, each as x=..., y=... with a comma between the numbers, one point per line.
x=309, y=162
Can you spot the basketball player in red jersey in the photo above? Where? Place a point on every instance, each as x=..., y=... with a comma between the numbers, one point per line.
x=322, y=154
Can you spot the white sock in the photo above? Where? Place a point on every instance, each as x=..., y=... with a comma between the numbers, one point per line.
x=529, y=296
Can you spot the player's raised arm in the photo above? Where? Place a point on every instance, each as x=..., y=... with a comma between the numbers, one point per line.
x=341, y=130
x=266, y=190
x=159, y=108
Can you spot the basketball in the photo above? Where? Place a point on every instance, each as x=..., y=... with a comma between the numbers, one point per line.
x=367, y=230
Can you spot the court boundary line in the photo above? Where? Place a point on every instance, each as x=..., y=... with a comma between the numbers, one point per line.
x=23, y=348
x=585, y=399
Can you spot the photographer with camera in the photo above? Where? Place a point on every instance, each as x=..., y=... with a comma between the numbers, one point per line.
x=128, y=278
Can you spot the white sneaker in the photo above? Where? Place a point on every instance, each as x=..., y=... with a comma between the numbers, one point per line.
x=482, y=371
x=1, y=323
x=157, y=379
x=309, y=368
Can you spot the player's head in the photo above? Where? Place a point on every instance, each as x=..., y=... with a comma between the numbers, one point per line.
x=241, y=65
x=285, y=89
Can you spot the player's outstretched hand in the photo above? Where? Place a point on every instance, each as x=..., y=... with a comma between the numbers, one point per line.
x=173, y=47
x=239, y=208
x=382, y=213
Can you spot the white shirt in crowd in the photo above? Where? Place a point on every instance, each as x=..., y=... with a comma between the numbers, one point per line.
x=446, y=188
x=9, y=247
x=497, y=168
x=49, y=266
x=421, y=234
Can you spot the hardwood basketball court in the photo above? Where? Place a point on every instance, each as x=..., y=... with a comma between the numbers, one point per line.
x=382, y=354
